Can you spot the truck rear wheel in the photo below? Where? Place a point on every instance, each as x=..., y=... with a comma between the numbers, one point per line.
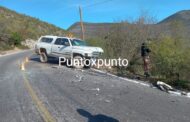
x=43, y=57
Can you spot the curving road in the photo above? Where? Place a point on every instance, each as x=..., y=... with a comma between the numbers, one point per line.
x=45, y=92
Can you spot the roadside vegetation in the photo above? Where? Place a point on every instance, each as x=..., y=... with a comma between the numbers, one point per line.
x=170, y=54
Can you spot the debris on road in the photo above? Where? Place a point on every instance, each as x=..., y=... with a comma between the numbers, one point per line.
x=184, y=93
x=169, y=89
x=96, y=89
x=79, y=70
x=55, y=67
x=164, y=87
x=78, y=78
x=107, y=101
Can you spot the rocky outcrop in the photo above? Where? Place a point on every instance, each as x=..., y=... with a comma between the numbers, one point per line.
x=30, y=43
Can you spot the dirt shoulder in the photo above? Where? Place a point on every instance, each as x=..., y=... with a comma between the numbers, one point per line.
x=10, y=51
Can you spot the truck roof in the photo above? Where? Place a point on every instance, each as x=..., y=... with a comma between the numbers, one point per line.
x=50, y=36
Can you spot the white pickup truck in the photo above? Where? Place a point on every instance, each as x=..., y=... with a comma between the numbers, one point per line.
x=69, y=48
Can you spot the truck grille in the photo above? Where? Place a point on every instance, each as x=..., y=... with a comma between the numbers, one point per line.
x=96, y=54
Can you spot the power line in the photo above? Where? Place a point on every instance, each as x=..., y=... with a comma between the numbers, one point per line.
x=97, y=3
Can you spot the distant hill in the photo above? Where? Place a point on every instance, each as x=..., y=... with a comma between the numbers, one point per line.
x=94, y=29
x=180, y=21
x=182, y=16
x=91, y=29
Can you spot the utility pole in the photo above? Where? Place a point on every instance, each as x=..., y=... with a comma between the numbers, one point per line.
x=81, y=23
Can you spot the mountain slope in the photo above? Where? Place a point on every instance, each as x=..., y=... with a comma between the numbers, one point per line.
x=94, y=29
x=182, y=16
x=91, y=29
x=178, y=23
x=28, y=27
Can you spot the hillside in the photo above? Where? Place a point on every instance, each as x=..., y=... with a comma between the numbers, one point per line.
x=25, y=26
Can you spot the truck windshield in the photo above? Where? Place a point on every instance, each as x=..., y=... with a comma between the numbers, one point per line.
x=77, y=42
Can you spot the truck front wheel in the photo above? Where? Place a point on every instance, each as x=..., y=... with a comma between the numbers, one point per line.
x=43, y=57
x=78, y=62
x=87, y=64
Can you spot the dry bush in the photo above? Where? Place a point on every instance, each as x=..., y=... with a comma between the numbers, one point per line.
x=124, y=40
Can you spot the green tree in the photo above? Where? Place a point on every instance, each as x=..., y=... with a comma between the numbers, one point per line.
x=16, y=39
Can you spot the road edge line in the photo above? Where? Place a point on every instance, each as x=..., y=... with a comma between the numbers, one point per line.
x=20, y=51
x=177, y=93
x=122, y=78
x=39, y=105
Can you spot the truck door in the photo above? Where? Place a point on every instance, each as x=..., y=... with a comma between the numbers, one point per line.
x=61, y=47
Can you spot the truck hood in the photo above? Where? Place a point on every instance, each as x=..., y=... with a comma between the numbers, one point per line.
x=89, y=48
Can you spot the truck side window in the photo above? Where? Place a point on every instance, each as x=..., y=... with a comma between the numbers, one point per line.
x=62, y=41
x=46, y=40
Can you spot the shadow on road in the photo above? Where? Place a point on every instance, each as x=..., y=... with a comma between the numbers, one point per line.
x=96, y=118
x=50, y=60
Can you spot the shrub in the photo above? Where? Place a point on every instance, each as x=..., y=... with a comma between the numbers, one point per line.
x=16, y=39
x=170, y=60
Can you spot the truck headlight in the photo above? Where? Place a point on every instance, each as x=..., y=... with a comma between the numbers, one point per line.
x=86, y=54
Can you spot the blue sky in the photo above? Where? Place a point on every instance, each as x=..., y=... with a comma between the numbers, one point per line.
x=64, y=13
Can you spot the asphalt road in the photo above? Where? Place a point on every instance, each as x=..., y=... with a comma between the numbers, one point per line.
x=44, y=91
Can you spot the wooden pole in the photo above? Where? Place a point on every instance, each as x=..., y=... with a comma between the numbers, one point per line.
x=81, y=23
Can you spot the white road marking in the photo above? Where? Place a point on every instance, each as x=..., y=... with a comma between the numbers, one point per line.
x=8, y=54
x=176, y=93
x=121, y=78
